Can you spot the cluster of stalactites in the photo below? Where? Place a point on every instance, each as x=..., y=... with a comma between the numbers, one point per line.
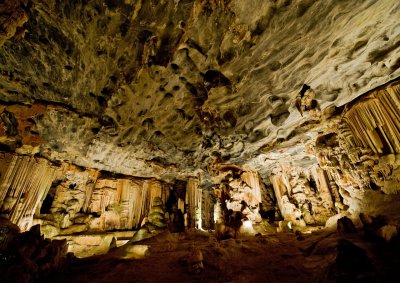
x=375, y=121
x=85, y=198
x=305, y=196
x=238, y=194
x=123, y=203
x=360, y=152
x=24, y=184
x=194, y=199
x=200, y=206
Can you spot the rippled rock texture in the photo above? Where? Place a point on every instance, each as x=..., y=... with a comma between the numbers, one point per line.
x=152, y=88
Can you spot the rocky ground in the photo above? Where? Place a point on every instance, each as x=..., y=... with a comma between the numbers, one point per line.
x=324, y=256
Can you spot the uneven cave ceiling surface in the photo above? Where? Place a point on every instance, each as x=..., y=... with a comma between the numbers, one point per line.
x=156, y=88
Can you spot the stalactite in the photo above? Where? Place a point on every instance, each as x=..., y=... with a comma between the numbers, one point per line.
x=207, y=209
x=181, y=204
x=193, y=199
x=93, y=175
x=198, y=210
x=151, y=189
x=104, y=203
x=323, y=186
x=334, y=190
x=23, y=186
x=103, y=195
x=154, y=190
x=309, y=201
x=375, y=120
x=365, y=156
x=127, y=201
x=123, y=203
x=7, y=167
x=136, y=197
x=120, y=203
x=280, y=189
x=144, y=204
x=252, y=179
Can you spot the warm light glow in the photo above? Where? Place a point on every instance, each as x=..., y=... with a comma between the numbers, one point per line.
x=198, y=218
x=247, y=225
x=217, y=212
x=289, y=224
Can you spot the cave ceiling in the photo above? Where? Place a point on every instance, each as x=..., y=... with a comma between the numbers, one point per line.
x=164, y=88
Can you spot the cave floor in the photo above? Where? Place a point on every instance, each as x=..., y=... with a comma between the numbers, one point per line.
x=282, y=257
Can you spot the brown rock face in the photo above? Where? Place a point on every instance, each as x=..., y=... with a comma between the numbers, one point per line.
x=151, y=89
x=303, y=92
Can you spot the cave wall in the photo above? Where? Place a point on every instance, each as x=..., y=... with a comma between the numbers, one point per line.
x=157, y=89
x=24, y=184
x=304, y=197
x=67, y=199
x=86, y=199
x=355, y=169
x=240, y=193
x=355, y=165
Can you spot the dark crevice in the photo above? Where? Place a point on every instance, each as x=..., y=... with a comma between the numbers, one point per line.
x=214, y=78
x=303, y=90
x=194, y=45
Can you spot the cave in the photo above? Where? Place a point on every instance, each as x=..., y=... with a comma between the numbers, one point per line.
x=199, y=141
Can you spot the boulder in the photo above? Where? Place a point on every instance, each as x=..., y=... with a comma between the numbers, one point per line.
x=8, y=231
x=28, y=257
x=49, y=231
x=74, y=229
x=372, y=227
x=136, y=251
x=387, y=232
x=224, y=232
x=351, y=264
x=346, y=226
x=195, y=261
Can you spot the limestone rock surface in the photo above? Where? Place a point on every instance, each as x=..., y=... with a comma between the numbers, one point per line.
x=225, y=109
x=152, y=88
